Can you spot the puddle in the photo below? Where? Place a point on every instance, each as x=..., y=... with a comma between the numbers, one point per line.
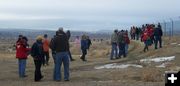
x=116, y=66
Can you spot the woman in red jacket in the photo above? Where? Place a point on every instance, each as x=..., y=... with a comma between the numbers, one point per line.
x=21, y=55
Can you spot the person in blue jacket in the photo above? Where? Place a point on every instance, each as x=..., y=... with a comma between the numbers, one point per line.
x=84, y=47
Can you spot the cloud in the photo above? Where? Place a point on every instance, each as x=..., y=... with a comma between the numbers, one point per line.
x=86, y=13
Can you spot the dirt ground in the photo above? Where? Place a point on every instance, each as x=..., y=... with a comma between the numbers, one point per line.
x=85, y=74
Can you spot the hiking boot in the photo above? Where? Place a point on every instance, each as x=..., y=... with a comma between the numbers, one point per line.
x=66, y=80
x=72, y=59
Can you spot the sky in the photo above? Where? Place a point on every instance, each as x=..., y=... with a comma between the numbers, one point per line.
x=85, y=15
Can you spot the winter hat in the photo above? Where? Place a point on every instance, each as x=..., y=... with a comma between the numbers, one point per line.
x=39, y=37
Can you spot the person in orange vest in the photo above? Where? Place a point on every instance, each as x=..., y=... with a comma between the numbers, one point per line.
x=46, y=50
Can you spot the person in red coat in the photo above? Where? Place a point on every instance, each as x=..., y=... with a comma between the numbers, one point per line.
x=145, y=38
x=21, y=55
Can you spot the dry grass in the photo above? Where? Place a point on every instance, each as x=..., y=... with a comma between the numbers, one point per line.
x=84, y=74
x=151, y=75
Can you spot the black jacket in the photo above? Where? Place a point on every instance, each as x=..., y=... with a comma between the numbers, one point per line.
x=158, y=32
x=61, y=42
x=37, y=50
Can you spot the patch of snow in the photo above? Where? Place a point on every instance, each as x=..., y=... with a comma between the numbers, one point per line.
x=160, y=59
x=173, y=43
x=116, y=66
x=179, y=44
x=163, y=65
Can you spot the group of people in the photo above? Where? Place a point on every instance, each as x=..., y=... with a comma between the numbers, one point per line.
x=135, y=33
x=119, y=42
x=60, y=48
x=151, y=34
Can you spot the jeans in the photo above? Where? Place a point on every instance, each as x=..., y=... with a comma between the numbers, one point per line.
x=61, y=57
x=84, y=52
x=126, y=48
x=158, y=39
x=122, y=49
x=37, y=75
x=114, y=49
x=22, y=67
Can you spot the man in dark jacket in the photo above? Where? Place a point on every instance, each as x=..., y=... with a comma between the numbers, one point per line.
x=158, y=33
x=62, y=56
x=37, y=54
x=68, y=33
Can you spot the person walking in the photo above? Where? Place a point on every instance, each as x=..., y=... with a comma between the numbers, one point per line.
x=62, y=55
x=158, y=33
x=21, y=55
x=46, y=50
x=114, y=40
x=37, y=54
x=68, y=33
x=84, y=47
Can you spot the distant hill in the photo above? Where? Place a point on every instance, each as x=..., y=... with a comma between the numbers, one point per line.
x=31, y=34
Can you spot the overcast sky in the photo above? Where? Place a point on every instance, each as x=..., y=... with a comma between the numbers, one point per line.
x=84, y=15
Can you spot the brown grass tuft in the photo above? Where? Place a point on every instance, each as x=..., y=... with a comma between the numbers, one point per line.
x=151, y=75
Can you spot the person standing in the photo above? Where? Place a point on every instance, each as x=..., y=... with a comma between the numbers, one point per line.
x=127, y=42
x=84, y=47
x=52, y=46
x=158, y=33
x=68, y=33
x=145, y=38
x=37, y=54
x=46, y=50
x=137, y=33
x=114, y=40
x=62, y=55
x=121, y=43
x=21, y=55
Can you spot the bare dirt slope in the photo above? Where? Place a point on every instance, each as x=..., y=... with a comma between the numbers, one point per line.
x=85, y=74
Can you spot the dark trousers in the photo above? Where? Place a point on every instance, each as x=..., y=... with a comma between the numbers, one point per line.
x=38, y=75
x=146, y=46
x=46, y=58
x=158, y=39
x=137, y=36
x=70, y=56
x=122, y=49
x=134, y=36
x=84, y=52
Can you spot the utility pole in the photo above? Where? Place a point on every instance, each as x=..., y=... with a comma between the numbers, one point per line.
x=164, y=27
x=172, y=27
